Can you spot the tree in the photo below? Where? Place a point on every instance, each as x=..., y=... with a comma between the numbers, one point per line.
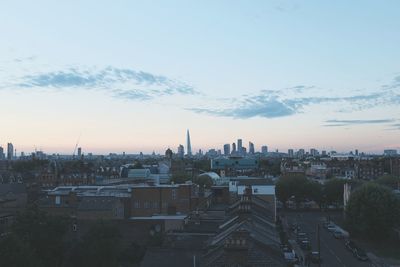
x=203, y=181
x=99, y=247
x=333, y=191
x=389, y=181
x=15, y=252
x=373, y=210
x=45, y=234
x=315, y=191
x=179, y=177
x=291, y=185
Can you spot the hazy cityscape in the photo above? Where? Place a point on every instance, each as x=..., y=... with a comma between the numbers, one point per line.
x=199, y=133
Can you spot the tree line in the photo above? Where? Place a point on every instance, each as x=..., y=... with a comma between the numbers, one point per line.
x=373, y=209
x=38, y=239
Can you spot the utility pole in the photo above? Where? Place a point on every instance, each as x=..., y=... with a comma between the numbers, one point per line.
x=319, y=246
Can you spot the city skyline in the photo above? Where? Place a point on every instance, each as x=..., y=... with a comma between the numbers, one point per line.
x=286, y=74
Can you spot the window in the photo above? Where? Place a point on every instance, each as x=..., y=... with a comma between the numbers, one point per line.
x=136, y=204
x=155, y=205
x=58, y=200
x=173, y=192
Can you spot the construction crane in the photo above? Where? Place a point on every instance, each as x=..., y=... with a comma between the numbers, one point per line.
x=76, y=146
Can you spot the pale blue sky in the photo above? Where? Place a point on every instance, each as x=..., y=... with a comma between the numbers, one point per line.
x=133, y=75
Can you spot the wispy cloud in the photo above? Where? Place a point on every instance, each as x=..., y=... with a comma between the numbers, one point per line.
x=340, y=123
x=280, y=103
x=121, y=83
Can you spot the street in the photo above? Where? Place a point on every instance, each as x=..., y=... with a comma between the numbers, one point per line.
x=333, y=251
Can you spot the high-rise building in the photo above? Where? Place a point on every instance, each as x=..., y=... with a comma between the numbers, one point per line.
x=314, y=152
x=181, y=151
x=264, y=149
x=290, y=153
x=233, y=148
x=251, y=148
x=168, y=153
x=356, y=152
x=79, y=152
x=239, y=146
x=2, y=153
x=10, y=151
x=301, y=153
x=188, y=144
x=227, y=149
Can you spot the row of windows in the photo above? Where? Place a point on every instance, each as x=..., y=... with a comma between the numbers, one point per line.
x=149, y=204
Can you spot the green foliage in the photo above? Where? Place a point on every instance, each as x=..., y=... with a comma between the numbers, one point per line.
x=42, y=236
x=179, y=177
x=333, y=191
x=100, y=246
x=372, y=211
x=203, y=165
x=203, y=181
x=29, y=165
x=15, y=252
x=389, y=181
x=270, y=166
x=39, y=240
x=76, y=165
x=291, y=185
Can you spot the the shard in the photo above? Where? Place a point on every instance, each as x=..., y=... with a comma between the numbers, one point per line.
x=188, y=145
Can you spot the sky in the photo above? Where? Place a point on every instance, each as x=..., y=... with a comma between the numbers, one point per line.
x=132, y=76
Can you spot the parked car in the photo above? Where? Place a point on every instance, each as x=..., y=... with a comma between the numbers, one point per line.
x=331, y=227
x=360, y=254
x=305, y=245
x=350, y=245
x=315, y=257
x=338, y=234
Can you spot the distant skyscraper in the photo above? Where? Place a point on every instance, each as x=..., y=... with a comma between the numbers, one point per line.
x=314, y=152
x=356, y=152
x=233, y=148
x=301, y=153
x=181, y=151
x=239, y=146
x=1, y=153
x=10, y=151
x=168, y=153
x=290, y=153
x=79, y=152
x=264, y=149
x=251, y=148
x=188, y=145
x=227, y=149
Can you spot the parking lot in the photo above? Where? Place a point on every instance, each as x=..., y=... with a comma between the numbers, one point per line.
x=333, y=250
